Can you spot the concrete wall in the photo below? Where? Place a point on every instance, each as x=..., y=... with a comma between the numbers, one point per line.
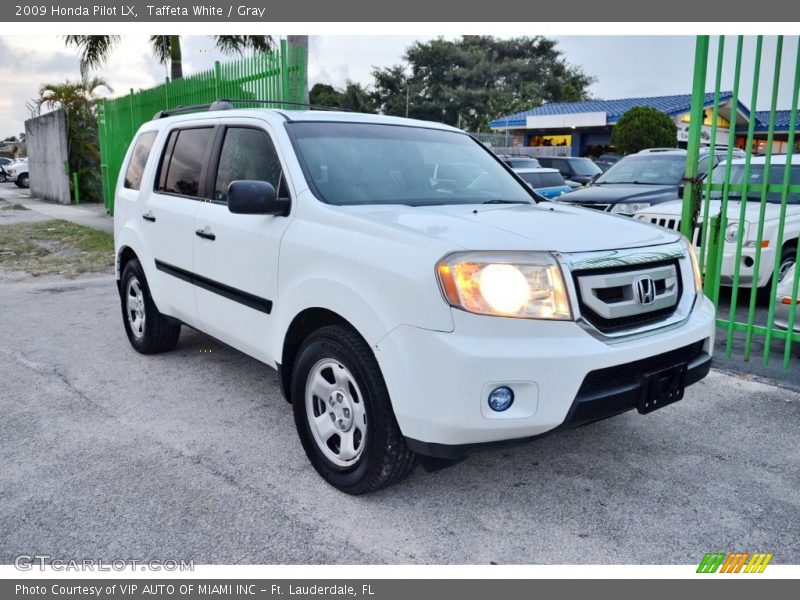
x=46, y=137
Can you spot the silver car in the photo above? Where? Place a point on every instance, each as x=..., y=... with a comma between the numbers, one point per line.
x=783, y=302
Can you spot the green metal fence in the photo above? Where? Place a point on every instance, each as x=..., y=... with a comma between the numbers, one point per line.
x=277, y=75
x=744, y=219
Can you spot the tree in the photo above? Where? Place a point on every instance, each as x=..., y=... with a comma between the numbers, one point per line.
x=79, y=100
x=473, y=80
x=643, y=127
x=355, y=97
x=323, y=94
x=94, y=50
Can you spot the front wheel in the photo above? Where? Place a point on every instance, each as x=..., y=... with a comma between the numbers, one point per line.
x=788, y=256
x=24, y=181
x=343, y=413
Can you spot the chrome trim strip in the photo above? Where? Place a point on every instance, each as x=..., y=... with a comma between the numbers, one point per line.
x=627, y=257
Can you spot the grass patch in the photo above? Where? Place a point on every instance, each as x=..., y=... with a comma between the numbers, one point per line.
x=13, y=207
x=55, y=247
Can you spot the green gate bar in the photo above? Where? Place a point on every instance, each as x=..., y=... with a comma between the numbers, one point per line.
x=709, y=232
x=278, y=75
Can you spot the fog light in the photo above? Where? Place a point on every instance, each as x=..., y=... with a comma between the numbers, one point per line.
x=501, y=398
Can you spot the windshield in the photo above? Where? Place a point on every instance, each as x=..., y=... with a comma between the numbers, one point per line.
x=522, y=163
x=757, y=178
x=649, y=169
x=358, y=163
x=584, y=167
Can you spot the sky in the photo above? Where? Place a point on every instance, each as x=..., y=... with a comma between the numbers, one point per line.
x=623, y=66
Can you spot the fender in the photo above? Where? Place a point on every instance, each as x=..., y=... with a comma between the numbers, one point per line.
x=352, y=305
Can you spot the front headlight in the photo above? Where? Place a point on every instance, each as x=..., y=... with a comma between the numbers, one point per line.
x=526, y=285
x=629, y=208
x=732, y=232
x=698, y=275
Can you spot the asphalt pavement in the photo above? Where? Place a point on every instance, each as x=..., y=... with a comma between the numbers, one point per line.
x=193, y=455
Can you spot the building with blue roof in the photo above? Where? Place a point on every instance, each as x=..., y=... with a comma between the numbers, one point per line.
x=584, y=128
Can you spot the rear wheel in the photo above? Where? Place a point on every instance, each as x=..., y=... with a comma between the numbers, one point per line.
x=149, y=332
x=343, y=413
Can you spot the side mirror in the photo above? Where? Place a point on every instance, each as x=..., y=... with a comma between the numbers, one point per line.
x=255, y=198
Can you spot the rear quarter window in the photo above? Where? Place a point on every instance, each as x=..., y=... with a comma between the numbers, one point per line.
x=139, y=156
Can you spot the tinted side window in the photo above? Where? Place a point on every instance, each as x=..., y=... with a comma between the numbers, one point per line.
x=186, y=162
x=141, y=151
x=247, y=154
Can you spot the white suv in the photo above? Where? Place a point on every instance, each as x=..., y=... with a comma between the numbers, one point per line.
x=411, y=316
x=668, y=215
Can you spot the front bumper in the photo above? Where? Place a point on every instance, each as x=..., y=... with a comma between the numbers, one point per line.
x=439, y=381
x=747, y=274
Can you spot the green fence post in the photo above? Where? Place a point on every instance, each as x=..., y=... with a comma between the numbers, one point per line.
x=284, y=71
x=690, y=204
x=76, y=196
x=712, y=266
x=217, y=78
x=743, y=204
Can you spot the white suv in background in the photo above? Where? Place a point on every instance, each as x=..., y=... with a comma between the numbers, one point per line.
x=668, y=215
x=410, y=316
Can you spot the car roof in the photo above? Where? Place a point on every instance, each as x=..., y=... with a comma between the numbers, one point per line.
x=777, y=159
x=535, y=170
x=330, y=116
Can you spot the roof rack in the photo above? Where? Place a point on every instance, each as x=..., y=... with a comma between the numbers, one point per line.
x=227, y=104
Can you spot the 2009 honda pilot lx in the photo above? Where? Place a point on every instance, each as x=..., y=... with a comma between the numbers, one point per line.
x=416, y=297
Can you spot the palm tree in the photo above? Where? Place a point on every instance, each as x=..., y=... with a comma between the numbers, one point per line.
x=94, y=50
x=79, y=101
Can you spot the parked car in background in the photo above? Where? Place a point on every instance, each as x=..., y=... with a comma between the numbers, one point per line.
x=668, y=215
x=546, y=182
x=520, y=162
x=18, y=173
x=5, y=164
x=605, y=161
x=572, y=168
x=641, y=180
x=783, y=302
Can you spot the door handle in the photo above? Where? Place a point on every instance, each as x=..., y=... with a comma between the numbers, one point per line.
x=205, y=233
x=148, y=216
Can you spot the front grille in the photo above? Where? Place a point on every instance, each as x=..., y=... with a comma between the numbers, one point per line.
x=594, y=205
x=675, y=225
x=609, y=300
x=602, y=381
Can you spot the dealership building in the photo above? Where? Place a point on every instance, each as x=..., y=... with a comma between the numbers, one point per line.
x=584, y=128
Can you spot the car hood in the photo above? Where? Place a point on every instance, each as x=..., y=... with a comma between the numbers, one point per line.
x=772, y=211
x=546, y=226
x=613, y=193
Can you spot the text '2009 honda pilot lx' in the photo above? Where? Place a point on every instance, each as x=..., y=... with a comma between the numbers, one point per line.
x=418, y=300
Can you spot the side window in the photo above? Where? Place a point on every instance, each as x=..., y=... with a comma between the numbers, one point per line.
x=182, y=168
x=247, y=154
x=702, y=165
x=141, y=151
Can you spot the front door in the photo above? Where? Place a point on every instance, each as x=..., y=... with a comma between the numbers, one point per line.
x=236, y=256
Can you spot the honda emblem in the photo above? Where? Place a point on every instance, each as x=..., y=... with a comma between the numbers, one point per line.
x=644, y=290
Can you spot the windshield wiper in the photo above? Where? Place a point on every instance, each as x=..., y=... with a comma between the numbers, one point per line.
x=499, y=201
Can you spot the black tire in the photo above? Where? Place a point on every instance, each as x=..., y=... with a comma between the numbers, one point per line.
x=385, y=459
x=24, y=181
x=788, y=256
x=157, y=332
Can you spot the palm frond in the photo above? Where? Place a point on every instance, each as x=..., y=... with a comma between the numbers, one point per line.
x=93, y=50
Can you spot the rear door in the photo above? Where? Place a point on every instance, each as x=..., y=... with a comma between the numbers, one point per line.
x=236, y=256
x=169, y=218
